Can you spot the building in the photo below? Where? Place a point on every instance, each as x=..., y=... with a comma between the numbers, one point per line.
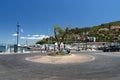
x=91, y=39
x=115, y=28
x=103, y=29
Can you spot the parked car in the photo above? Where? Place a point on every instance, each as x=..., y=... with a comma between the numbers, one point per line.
x=100, y=48
x=111, y=48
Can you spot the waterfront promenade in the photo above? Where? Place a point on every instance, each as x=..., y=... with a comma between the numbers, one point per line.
x=104, y=67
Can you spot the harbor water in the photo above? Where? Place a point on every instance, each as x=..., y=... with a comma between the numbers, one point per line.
x=10, y=48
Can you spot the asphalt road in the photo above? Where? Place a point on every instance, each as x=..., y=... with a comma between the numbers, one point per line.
x=106, y=66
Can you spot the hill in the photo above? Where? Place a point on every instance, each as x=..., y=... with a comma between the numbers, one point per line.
x=107, y=32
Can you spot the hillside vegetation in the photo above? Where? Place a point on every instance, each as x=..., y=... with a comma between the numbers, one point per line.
x=102, y=33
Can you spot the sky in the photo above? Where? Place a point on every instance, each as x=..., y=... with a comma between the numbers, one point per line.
x=37, y=18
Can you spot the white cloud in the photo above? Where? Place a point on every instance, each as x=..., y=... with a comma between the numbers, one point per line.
x=21, y=30
x=28, y=35
x=15, y=34
x=35, y=37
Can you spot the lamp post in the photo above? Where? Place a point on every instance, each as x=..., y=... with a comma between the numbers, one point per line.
x=65, y=41
x=85, y=33
x=17, y=32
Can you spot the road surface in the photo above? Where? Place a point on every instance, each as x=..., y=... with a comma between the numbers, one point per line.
x=106, y=66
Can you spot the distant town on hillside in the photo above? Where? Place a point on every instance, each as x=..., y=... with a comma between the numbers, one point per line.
x=107, y=32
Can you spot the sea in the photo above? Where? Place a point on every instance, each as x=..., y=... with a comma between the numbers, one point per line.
x=10, y=48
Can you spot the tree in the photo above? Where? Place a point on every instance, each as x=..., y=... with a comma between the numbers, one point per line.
x=60, y=34
x=43, y=41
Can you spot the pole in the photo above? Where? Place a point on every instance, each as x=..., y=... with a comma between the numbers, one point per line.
x=86, y=41
x=85, y=33
x=18, y=25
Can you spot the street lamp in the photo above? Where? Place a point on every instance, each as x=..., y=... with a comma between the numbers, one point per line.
x=65, y=38
x=85, y=33
x=77, y=39
x=17, y=32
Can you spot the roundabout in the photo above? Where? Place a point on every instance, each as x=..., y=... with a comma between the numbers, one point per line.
x=34, y=66
x=61, y=59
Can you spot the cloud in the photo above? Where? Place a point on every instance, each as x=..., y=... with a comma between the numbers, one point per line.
x=15, y=34
x=21, y=30
x=35, y=37
x=28, y=35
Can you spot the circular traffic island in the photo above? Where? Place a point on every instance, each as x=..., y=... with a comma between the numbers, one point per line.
x=61, y=59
